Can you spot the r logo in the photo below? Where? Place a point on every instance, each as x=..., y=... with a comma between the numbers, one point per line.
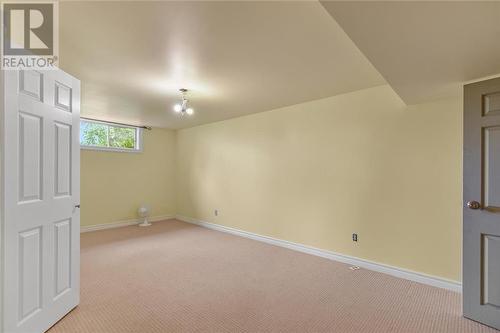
x=28, y=29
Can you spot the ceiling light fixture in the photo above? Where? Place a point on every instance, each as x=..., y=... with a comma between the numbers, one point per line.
x=183, y=108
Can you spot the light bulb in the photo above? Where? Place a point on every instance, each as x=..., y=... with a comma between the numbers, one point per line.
x=177, y=108
x=189, y=111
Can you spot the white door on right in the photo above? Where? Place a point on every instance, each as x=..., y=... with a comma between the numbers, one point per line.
x=481, y=248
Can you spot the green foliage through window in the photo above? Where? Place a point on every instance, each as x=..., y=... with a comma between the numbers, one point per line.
x=101, y=134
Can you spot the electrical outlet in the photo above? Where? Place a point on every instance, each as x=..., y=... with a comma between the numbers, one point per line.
x=216, y=212
x=354, y=237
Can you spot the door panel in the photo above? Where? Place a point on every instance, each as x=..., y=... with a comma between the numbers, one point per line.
x=30, y=157
x=41, y=188
x=62, y=160
x=491, y=164
x=491, y=270
x=62, y=96
x=30, y=273
x=491, y=104
x=31, y=84
x=62, y=251
x=481, y=236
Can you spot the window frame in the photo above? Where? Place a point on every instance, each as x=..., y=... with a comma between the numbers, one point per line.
x=138, y=138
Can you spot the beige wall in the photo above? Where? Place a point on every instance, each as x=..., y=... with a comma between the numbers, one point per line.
x=114, y=185
x=315, y=173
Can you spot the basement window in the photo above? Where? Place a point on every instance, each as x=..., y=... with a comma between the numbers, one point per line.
x=101, y=135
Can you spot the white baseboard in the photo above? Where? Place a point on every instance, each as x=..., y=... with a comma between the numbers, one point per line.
x=374, y=266
x=118, y=224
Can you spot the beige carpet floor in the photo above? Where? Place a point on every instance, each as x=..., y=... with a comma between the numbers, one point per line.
x=176, y=277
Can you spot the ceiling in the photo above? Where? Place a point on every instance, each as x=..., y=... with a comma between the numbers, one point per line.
x=424, y=49
x=236, y=58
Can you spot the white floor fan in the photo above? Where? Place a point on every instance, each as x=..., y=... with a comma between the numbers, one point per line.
x=143, y=213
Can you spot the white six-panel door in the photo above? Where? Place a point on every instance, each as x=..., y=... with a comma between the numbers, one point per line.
x=41, y=195
x=481, y=224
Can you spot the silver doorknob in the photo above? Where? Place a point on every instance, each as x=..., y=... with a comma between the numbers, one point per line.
x=473, y=205
x=77, y=206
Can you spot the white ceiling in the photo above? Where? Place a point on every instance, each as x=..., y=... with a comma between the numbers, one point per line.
x=424, y=49
x=236, y=58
